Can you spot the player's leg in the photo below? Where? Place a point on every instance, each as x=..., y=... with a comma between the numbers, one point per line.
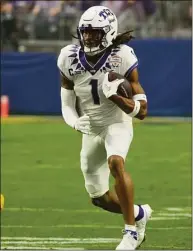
x=93, y=154
x=117, y=142
x=110, y=202
x=123, y=187
x=96, y=174
x=94, y=166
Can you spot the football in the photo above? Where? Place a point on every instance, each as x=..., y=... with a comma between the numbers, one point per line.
x=124, y=89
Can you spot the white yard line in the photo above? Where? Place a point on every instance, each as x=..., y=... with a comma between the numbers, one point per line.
x=44, y=243
x=162, y=218
x=74, y=248
x=27, y=209
x=51, y=241
x=37, y=248
x=57, y=239
x=63, y=241
x=176, y=214
x=178, y=209
x=93, y=227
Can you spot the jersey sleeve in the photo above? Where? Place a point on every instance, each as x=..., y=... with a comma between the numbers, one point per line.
x=129, y=62
x=63, y=62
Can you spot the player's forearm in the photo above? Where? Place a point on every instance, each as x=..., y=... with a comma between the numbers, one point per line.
x=69, y=113
x=128, y=106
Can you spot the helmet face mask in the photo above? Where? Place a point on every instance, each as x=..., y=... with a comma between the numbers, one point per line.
x=97, y=29
x=92, y=37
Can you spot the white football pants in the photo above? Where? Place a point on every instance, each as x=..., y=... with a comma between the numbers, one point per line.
x=97, y=148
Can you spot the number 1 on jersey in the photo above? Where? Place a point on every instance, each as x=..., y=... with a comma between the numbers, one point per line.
x=94, y=91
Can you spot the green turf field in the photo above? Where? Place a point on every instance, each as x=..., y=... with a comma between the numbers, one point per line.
x=46, y=205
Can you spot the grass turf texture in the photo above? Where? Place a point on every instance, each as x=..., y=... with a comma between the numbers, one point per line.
x=45, y=196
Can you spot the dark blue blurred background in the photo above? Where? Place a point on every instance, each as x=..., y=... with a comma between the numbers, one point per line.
x=33, y=32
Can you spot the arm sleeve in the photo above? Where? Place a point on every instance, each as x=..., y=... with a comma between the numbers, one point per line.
x=68, y=102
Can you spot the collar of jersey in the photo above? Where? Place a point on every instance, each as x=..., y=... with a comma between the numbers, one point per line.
x=93, y=69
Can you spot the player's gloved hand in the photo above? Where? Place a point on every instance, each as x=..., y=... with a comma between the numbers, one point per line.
x=110, y=88
x=82, y=124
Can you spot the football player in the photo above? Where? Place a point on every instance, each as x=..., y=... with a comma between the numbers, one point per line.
x=106, y=118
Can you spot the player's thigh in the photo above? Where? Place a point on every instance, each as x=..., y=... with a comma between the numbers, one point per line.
x=93, y=153
x=94, y=165
x=118, y=139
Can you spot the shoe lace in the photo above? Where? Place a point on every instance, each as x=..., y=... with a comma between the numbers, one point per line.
x=124, y=231
x=132, y=233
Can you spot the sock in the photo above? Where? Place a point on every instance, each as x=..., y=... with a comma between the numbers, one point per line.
x=130, y=227
x=138, y=212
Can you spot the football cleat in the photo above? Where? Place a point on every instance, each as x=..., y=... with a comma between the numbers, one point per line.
x=141, y=224
x=129, y=241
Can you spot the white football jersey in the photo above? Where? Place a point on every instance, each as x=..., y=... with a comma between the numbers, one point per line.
x=88, y=80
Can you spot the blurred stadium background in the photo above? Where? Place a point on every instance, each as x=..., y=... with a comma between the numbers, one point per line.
x=46, y=205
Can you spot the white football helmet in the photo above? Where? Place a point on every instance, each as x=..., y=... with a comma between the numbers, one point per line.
x=101, y=19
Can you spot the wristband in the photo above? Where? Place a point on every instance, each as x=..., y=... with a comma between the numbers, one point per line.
x=135, y=109
x=140, y=97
